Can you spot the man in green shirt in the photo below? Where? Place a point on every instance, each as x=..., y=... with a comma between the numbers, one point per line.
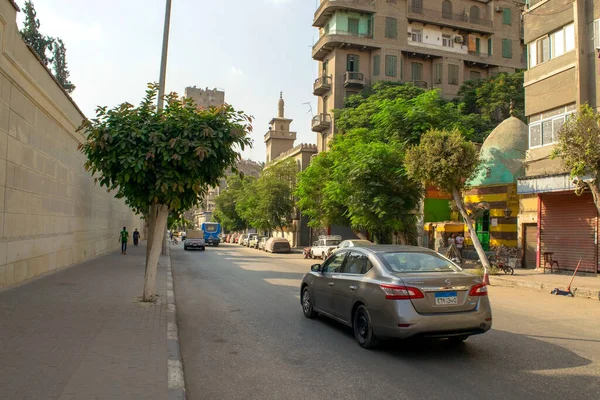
x=123, y=238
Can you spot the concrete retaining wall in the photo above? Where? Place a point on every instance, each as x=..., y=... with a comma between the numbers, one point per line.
x=51, y=213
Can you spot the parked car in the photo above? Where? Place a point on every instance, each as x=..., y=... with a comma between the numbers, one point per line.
x=397, y=292
x=253, y=241
x=277, y=245
x=241, y=239
x=262, y=242
x=194, y=240
x=247, y=239
x=234, y=238
x=324, y=246
x=354, y=243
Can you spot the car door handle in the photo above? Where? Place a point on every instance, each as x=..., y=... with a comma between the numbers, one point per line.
x=331, y=283
x=352, y=287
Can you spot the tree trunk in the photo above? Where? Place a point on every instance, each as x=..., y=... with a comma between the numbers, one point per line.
x=595, y=194
x=160, y=223
x=151, y=223
x=480, y=252
x=360, y=235
x=420, y=222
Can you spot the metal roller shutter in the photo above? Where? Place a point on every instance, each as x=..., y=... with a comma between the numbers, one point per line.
x=568, y=229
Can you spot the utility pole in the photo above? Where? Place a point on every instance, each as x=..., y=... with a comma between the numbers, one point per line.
x=163, y=62
x=163, y=75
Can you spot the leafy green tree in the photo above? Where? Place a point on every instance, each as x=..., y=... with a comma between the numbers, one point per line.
x=161, y=161
x=314, y=197
x=268, y=203
x=226, y=212
x=579, y=148
x=494, y=97
x=31, y=35
x=446, y=160
x=59, y=63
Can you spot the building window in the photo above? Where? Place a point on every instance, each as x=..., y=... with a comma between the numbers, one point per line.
x=506, y=16
x=370, y=26
x=453, y=74
x=353, y=26
x=551, y=46
x=437, y=73
x=417, y=6
x=474, y=14
x=391, y=65
x=391, y=28
x=326, y=29
x=447, y=9
x=416, y=71
x=474, y=75
x=447, y=41
x=544, y=127
x=506, y=48
x=416, y=35
x=490, y=47
x=376, y=64
x=352, y=63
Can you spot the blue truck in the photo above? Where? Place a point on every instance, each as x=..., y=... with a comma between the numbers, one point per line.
x=211, y=230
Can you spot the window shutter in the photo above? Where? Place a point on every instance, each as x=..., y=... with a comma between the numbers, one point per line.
x=506, y=16
x=506, y=48
x=376, y=65
x=490, y=47
x=391, y=28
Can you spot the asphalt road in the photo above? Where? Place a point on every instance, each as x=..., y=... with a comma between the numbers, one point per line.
x=243, y=336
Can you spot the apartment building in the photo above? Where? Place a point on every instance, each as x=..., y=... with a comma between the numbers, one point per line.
x=432, y=43
x=205, y=97
x=563, y=41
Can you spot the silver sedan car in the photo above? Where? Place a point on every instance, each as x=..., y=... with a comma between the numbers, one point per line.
x=397, y=292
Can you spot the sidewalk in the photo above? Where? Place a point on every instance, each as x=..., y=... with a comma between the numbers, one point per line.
x=82, y=334
x=587, y=286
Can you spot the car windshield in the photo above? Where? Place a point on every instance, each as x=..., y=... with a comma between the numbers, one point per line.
x=210, y=227
x=332, y=242
x=408, y=262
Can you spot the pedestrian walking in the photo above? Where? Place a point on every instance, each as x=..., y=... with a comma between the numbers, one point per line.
x=123, y=237
x=459, y=243
x=136, y=237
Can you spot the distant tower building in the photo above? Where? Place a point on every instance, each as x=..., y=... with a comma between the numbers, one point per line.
x=279, y=139
x=205, y=97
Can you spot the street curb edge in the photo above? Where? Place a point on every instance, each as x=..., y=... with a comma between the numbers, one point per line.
x=543, y=287
x=175, y=377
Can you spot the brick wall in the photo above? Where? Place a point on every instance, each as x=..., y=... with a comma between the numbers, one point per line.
x=51, y=213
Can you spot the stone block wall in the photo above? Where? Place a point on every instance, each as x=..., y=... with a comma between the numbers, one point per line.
x=52, y=215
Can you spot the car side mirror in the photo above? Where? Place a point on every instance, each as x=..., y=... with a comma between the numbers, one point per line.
x=315, y=268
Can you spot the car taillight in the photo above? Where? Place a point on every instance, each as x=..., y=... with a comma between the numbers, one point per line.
x=479, y=290
x=397, y=292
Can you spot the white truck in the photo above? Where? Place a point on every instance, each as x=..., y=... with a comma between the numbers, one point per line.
x=324, y=246
x=194, y=240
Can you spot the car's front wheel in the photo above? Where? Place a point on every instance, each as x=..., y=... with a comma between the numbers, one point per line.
x=363, y=329
x=307, y=306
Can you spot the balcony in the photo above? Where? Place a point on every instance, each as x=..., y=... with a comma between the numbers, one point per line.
x=321, y=122
x=354, y=79
x=456, y=21
x=479, y=54
x=328, y=7
x=334, y=38
x=322, y=85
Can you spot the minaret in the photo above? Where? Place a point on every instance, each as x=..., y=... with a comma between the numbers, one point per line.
x=279, y=139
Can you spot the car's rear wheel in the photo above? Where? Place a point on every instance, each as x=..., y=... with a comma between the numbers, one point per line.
x=363, y=329
x=307, y=306
x=185, y=248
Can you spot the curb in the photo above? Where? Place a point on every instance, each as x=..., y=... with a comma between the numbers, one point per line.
x=176, y=381
x=543, y=287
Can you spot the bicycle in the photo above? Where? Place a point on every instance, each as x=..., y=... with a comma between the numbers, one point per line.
x=500, y=260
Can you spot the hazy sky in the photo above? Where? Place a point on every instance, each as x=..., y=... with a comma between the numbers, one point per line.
x=251, y=48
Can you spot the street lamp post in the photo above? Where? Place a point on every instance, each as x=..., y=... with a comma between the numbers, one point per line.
x=163, y=62
x=163, y=75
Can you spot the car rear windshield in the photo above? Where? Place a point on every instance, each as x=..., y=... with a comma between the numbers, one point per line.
x=210, y=227
x=407, y=262
x=332, y=242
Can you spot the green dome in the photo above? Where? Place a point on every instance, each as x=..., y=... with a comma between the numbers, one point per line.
x=502, y=154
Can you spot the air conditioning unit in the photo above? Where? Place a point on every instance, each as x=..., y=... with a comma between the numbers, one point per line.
x=499, y=9
x=459, y=39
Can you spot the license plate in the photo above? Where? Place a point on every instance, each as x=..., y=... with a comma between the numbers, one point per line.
x=446, y=298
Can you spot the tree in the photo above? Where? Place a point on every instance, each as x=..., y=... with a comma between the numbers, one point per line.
x=579, y=147
x=226, y=212
x=445, y=159
x=268, y=203
x=494, y=97
x=32, y=36
x=162, y=160
x=59, y=63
